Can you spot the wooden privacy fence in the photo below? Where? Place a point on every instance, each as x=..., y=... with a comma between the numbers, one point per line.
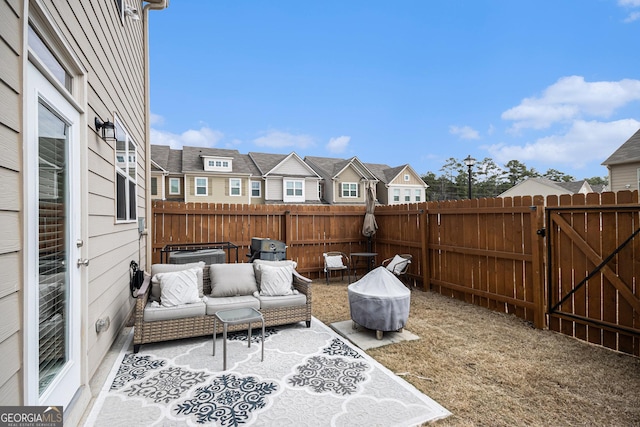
x=489, y=252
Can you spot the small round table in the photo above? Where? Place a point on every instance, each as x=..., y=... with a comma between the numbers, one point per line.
x=370, y=259
x=235, y=316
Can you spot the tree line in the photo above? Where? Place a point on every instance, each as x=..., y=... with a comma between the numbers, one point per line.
x=488, y=179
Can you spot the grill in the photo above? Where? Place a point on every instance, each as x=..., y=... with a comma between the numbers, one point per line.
x=267, y=249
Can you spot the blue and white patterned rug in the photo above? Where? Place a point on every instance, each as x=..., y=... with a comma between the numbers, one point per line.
x=309, y=377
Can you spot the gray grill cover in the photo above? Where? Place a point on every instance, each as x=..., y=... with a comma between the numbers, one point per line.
x=379, y=301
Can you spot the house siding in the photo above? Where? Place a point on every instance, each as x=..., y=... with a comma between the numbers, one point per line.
x=348, y=175
x=11, y=254
x=111, y=54
x=622, y=175
x=217, y=189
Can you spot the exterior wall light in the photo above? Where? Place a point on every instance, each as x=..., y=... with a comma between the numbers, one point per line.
x=106, y=129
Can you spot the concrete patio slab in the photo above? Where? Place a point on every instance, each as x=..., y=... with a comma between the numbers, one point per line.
x=366, y=338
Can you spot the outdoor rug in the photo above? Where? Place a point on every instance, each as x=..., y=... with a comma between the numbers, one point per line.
x=309, y=377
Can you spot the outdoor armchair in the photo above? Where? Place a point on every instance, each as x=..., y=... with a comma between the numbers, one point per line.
x=398, y=265
x=336, y=261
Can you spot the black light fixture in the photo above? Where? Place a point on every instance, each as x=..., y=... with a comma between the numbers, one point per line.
x=106, y=129
x=469, y=161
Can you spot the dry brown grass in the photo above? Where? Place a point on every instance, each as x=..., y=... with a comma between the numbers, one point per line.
x=494, y=369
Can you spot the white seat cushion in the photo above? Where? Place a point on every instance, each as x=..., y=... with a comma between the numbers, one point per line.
x=227, y=303
x=154, y=312
x=282, y=301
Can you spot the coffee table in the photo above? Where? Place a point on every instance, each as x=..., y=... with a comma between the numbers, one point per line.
x=235, y=316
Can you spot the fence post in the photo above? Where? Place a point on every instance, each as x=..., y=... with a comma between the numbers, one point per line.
x=426, y=266
x=286, y=233
x=537, y=262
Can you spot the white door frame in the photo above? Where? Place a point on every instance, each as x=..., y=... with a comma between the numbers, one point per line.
x=64, y=387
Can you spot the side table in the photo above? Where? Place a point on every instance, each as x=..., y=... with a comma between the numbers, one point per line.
x=235, y=316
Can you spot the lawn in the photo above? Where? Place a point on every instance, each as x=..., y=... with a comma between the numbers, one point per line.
x=489, y=368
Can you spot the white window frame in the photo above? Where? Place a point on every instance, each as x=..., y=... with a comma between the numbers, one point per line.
x=418, y=195
x=407, y=177
x=171, y=181
x=347, y=190
x=154, y=179
x=124, y=163
x=407, y=195
x=259, y=184
x=293, y=190
x=396, y=195
x=235, y=184
x=196, y=186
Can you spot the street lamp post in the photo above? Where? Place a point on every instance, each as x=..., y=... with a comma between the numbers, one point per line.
x=469, y=161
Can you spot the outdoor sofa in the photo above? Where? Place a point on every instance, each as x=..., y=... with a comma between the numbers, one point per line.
x=166, y=311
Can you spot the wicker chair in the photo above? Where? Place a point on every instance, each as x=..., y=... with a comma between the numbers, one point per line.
x=336, y=261
x=398, y=267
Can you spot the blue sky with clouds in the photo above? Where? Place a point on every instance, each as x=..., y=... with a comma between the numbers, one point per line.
x=553, y=84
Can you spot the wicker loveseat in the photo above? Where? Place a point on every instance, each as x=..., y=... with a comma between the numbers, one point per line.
x=154, y=323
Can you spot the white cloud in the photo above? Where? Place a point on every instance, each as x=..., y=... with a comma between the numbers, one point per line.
x=584, y=142
x=464, y=132
x=629, y=3
x=339, y=144
x=634, y=16
x=278, y=139
x=203, y=137
x=572, y=98
x=156, y=119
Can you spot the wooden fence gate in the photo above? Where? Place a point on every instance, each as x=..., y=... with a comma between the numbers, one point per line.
x=593, y=270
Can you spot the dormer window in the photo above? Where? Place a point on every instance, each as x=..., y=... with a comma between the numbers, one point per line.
x=218, y=164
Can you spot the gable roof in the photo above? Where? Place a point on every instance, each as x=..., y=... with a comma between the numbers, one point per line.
x=167, y=159
x=267, y=162
x=241, y=163
x=629, y=152
x=329, y=167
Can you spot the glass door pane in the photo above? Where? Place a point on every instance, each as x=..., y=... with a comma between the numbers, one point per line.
x=53, y=280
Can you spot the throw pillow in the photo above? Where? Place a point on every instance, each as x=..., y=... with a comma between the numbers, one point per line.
x=178, y=287
x=258, y=262
x=397, y=264
x=228, y=280
x=276, y=281
x=334, y=261
x=167, y=268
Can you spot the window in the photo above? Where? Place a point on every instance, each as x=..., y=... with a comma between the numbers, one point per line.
x=53, y=64
x=154, y=186
x=407, y=177
x=349, y=189
x=293, y=191
x=201, y=185
x=396, y=194
x=234, y=186
x=407, y=196
x=255, y=189
x=174, y=186
x=126, y=175
x=418, y=195
x=217, y=164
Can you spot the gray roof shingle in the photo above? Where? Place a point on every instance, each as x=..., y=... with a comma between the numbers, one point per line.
x=629, y=152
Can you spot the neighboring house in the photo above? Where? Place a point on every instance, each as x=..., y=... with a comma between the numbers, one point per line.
x=167, y=180
x=546, y=187
x=343, y=179
x=398, y=185
x=216, y=175
x=285, y=178
x=624, y=165
x=71, y=200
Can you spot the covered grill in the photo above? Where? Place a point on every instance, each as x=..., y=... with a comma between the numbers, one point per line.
x=267, y=249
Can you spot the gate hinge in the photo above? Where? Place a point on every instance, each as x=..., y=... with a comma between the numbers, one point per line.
x=541, y=232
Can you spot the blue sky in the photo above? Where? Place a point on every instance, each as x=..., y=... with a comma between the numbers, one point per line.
x=551, y=83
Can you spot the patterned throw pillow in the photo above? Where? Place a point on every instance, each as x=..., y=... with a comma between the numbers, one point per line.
x=276, y=281
x=179, y=287
x=397, y=264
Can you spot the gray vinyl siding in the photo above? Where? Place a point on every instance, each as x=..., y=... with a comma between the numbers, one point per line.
x=623, y=175
x=112, y=56
x=11, y=258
